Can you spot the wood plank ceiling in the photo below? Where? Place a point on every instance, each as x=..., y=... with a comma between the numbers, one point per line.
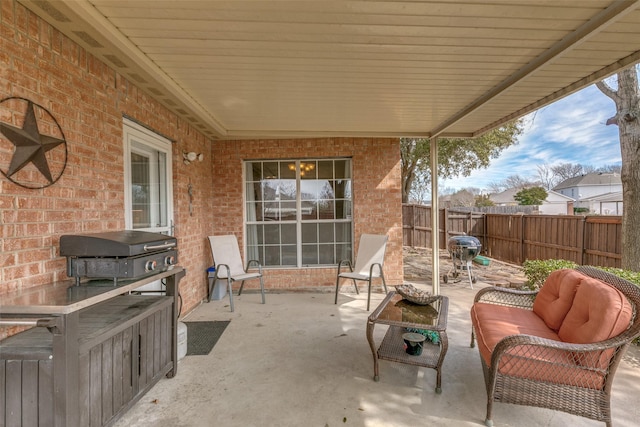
x=278, y=69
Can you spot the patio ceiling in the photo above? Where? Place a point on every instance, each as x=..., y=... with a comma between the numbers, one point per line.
x=275, y=69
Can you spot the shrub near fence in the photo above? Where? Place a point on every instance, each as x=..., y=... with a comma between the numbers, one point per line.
x=514, y=238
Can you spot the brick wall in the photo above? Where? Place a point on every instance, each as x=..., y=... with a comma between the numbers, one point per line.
x=376, y=193
x=88, y=99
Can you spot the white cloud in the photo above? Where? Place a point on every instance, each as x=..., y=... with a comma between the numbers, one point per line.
x=571, y=130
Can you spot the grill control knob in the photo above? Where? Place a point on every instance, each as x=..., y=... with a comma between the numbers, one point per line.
x=169, y=260
x=150, y=266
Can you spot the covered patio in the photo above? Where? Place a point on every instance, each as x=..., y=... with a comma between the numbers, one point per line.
x=300, y=360
x=249, y=75
x=236, y=81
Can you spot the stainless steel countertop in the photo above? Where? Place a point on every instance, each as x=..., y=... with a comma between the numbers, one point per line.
x=65, y=296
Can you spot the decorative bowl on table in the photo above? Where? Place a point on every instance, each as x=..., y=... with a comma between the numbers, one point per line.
x=415, y=295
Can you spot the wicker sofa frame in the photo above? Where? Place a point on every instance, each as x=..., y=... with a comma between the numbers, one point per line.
x=590, y=399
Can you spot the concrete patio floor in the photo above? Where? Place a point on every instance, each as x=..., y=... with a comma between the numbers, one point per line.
x=300, y=360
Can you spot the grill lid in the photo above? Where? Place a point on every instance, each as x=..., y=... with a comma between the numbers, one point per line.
x=123, y=243
x=464, y=248
x=464, y=242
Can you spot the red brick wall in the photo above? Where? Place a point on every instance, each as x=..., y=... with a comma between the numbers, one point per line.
x=88, y=99
x=376, y=193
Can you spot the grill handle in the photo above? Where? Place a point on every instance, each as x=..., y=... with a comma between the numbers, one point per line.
x=158, y=247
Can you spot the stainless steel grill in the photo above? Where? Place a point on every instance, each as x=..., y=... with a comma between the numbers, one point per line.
x=463, y=249
x=123, y=254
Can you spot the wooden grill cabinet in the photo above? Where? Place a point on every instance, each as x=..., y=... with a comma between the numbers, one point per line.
x=92, y=358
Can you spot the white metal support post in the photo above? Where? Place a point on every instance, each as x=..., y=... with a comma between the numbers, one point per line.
x=435, y=226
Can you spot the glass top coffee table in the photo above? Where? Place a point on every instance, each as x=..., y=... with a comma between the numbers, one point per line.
x=401, y=314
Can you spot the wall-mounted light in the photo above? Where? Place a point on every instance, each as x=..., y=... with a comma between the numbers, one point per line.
x=191, y=156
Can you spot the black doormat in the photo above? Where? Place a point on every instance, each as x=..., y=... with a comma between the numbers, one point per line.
x=202, y=336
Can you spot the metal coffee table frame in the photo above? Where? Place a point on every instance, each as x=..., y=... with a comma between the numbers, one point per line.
x=400, y=314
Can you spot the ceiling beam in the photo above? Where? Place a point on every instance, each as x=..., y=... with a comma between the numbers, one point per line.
x=290, y=134
x=572, y=88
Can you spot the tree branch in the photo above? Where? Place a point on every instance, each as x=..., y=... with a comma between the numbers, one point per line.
x=608, y=90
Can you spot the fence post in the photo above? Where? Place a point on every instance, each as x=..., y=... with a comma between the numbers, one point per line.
x=416, y=223
x=445, y=228
x=582, y=238
x=485, y=225
x=522, y=240
x=412, y=220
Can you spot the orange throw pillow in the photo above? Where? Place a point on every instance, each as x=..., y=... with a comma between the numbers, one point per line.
x=599, y=312
x=555, y=298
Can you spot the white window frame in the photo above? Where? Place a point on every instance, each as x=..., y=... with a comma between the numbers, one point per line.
x=298, y=221
x=139, y=139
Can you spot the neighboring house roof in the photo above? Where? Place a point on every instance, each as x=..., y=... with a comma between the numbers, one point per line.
x=505, y=197
x=589, y=179
x=607, y=197
x=553, y=196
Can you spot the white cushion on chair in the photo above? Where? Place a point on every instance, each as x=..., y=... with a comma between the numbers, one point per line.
x=370, y=251
x=225, y=251
x=356, y=276
x=245, y=276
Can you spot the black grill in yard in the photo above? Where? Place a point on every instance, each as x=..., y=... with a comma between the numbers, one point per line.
x=463, y=249
x=123, y=254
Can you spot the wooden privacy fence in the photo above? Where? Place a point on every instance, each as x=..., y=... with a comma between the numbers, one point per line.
x=514, y=238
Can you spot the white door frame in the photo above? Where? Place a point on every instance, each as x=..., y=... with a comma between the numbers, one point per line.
x=141, y=140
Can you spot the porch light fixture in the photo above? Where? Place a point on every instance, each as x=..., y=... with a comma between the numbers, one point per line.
x=191, y=156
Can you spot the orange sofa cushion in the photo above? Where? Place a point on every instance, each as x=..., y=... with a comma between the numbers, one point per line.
x=599, y=312
x=492, y=323
x=555, y=298
x=549, y=365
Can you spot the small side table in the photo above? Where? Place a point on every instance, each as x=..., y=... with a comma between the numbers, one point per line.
x=400, y=314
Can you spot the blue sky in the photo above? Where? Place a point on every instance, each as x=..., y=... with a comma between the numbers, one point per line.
x=571, y=130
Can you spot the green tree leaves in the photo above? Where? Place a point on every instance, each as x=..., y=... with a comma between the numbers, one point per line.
x=531, y=196
x=456, y=156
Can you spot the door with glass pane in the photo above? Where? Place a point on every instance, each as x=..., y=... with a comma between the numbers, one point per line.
x=148, y=189
x=148, y=174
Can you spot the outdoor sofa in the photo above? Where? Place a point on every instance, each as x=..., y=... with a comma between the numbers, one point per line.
x=557, y=348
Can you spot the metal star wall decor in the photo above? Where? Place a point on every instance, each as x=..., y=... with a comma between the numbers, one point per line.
x=37, y=159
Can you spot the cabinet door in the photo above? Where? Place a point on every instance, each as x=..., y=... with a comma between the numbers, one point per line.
x=26, y=391
x=155, y=346
x=106, y=376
